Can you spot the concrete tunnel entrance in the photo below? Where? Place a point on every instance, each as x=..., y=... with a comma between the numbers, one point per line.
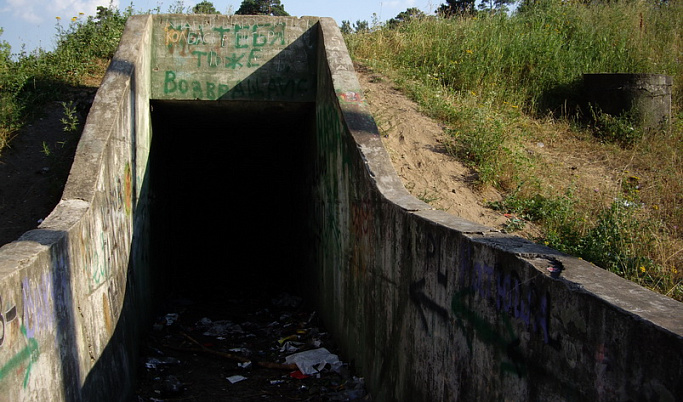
x=229, y=243
x=228, y=181
x=259, y=170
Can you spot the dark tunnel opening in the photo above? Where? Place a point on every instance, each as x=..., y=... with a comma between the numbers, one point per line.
x=228, y=208
x=230, y=251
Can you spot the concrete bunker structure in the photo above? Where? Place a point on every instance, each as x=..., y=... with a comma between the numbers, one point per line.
x=222, y=146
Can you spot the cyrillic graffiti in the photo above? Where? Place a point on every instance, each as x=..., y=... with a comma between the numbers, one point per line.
x=248, y=88
x=235, y=61
x=237, y=36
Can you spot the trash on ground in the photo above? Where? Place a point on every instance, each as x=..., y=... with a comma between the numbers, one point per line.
x=170, y=386
x=277, y=348
x=298, y=375
x=290, y=346
x=352, y=390
x=170, y=318
x=314, y=360
x=219, y=328
x=155, y=362
x=235, y=378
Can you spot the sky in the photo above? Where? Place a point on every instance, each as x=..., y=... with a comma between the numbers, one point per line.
x=33, y=22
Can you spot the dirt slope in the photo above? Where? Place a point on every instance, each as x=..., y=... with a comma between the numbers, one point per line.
x=414, y=143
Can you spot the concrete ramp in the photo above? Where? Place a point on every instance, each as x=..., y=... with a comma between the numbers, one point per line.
x=225, y=152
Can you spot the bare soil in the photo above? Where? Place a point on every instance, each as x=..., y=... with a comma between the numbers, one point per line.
x=35, y=166
x=415, y=145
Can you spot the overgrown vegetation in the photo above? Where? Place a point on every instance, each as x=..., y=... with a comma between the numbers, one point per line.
x=508, y=86
x=84, y=48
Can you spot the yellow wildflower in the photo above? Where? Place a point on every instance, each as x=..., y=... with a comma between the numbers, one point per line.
x=642, y=268
x=58, y=18
x=73, y=19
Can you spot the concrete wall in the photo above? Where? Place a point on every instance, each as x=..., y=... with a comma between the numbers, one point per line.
x=427, y=306
x=74, y=291
x=430, y=307
x=214, y=57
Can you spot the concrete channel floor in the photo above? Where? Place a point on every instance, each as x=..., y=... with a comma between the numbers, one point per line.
x=234, y=347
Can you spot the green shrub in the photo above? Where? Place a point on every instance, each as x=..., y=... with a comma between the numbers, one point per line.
x=622, y=129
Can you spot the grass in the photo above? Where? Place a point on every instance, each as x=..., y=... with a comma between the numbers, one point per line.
x=508, y=89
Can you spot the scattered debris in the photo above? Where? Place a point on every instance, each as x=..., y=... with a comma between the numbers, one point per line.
x=314, y=360
x=276, y=345
x=236, y=378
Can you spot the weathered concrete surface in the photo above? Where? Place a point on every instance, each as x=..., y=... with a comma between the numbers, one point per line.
x=75, y=291
x=428, y=306
x=434, y=308
x=211, y=57
x=646, y=97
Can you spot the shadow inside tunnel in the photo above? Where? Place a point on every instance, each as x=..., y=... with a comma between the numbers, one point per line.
x=229, y=194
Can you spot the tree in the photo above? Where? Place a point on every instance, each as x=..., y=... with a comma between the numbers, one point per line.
x=495, y=5
x=262, y=7
x=455, y=8
x=5, y=61
x=204, y=7
x=346, y=27
x=361, y=26
x=405, y=16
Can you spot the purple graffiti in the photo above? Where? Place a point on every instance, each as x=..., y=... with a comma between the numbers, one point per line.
x=511, y=296
x=38, y=306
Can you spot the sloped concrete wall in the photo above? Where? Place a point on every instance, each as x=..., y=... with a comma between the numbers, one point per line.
x=74, y=291
x=433, y=308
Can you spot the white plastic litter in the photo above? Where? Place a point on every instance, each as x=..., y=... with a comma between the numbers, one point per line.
x=235, y=378
x=290, y=346
x=312, y=361
x=170, y=318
